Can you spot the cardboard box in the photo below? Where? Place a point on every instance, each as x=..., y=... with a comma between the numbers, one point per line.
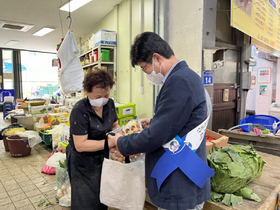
x=57, y=118
x=70, y=102
x=105, y=37
x=209, y=146
x=24, y=104
x=66, y=134
x=125, y=110
x=37, y=117
x=220, y=140
x=41, y=109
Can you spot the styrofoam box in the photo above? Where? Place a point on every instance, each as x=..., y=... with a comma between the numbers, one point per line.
x=105, y=37
x=274, y=110
x=8, y=98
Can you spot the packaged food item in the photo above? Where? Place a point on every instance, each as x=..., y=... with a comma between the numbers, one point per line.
x=57, y=118
x=133, y=126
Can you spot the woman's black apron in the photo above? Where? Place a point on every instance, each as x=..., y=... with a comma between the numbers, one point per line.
x=85, y=173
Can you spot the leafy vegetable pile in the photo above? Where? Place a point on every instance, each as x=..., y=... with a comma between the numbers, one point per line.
x=234, y=168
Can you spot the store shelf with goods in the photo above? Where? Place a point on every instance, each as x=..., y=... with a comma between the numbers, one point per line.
x=96, y=63
x=101, y=57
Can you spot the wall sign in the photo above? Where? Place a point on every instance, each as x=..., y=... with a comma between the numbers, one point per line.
x=259, y=19
x=264, y=75
x=207, y=77
x=263, y=89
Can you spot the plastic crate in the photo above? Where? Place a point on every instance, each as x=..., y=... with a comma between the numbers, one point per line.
x=47, y=138
x=264, y=120
x=105, y=55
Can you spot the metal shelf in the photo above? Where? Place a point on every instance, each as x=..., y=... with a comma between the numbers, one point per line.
x=96, y=63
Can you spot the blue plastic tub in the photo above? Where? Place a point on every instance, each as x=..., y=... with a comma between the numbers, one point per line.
x=264, y=120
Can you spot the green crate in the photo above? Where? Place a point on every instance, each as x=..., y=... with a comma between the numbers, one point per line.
x=105, y=55
x=125, y=110
x=47, y=138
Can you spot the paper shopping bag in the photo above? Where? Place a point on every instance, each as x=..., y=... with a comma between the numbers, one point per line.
x=123, y=184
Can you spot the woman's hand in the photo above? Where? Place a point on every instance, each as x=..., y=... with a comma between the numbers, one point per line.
x=145, y=123
x=112, y=140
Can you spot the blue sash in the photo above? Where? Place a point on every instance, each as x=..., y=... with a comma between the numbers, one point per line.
x=181, y=154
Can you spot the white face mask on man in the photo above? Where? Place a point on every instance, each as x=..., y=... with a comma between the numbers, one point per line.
x=98, y=102
x=155, y=78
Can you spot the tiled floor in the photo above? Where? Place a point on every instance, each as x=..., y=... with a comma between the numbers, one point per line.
x=22, y=185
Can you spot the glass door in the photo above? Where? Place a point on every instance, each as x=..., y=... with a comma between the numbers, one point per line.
x=8, y=76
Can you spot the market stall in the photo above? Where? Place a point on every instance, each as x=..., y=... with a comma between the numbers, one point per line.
x=261, y=142
x=266, y=187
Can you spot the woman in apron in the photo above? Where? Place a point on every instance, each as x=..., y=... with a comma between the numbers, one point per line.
x=91, y=118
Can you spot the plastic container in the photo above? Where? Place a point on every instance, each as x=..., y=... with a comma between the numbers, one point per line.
x=47, y=138
x=9, y=99
x=264, y=120
x=95, y=55
x=274, y=110
x=105, y=55
x=6, y=145
x=18, y=146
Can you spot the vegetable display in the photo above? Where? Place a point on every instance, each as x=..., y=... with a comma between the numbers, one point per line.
x=234, y=167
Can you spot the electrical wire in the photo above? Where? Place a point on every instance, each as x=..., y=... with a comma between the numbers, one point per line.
x=60, y=19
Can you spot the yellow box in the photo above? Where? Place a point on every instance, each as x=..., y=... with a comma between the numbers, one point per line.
x=57, y=118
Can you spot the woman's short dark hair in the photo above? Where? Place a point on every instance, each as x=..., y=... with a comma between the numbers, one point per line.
x=98, y=78
x=145, y=45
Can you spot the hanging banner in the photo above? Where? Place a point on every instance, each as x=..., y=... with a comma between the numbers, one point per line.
x=259, y=19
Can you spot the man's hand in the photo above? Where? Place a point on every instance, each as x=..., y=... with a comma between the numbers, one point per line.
x=145, y=123
x=112, y=140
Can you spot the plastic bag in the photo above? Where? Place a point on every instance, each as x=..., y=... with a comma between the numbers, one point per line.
x=133, y=126
x=63, y=186
x=41, y=123
x=33, y=137
x=48, y=170
x=14, y=125
x=123, y=185
x=72, y=75
x=55, y=158
x=57, y=135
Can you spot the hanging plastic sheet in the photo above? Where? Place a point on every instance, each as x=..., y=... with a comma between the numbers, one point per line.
x=72, y=75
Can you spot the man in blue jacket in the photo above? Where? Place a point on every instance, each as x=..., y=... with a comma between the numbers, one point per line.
x=180, y=107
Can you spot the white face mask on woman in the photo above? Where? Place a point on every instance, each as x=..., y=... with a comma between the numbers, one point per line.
x=98, y=102
x=155, y=78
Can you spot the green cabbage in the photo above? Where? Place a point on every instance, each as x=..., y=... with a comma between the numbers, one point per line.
x=234, y=167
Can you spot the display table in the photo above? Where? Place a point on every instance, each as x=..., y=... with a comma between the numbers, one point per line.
x=266, y=187
x=264, y=143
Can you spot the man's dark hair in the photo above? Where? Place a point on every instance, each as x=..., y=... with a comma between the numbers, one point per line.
x=145, y=45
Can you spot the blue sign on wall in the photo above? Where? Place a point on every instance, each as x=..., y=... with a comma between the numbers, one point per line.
x=208, y=77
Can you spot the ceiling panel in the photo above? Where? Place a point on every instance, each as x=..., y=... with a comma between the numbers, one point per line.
x=46, y=13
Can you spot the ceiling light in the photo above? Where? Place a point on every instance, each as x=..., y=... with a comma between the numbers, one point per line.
x=74, y=4
x=43, y=31
x=12, y=42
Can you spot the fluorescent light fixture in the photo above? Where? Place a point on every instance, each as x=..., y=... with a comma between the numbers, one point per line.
x=43, y=31
x=12, y=42
x=74, y=4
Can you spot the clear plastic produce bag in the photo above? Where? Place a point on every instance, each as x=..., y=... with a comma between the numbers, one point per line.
x=63, y=186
